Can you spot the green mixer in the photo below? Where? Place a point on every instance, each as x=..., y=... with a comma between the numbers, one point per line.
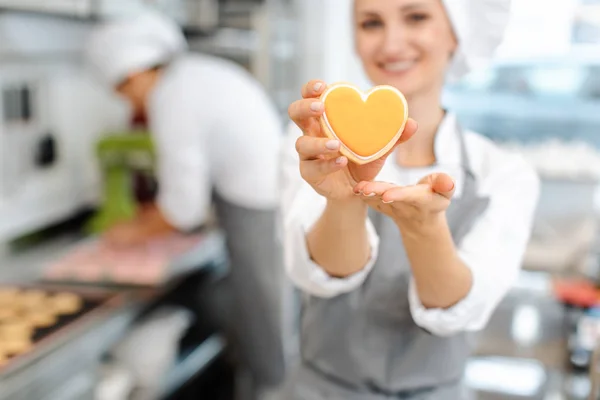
x=119, y=155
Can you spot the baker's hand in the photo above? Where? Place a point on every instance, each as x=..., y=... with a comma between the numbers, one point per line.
x=127, y=234
x=149, y=224
x=321, y=164
x=411, y=207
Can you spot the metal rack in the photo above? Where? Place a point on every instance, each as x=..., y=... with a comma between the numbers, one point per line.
x=261, y=36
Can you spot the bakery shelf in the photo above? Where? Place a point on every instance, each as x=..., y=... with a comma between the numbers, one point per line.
x=193, y=363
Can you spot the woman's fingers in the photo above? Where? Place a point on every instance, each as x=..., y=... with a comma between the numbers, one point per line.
x=313, y=148
x=433, y=184
x=417, y=194
x=372, y=188
x=304, y=111
x=313, y=89
x=410, y=128
x=440, y=183
x=313, y=171
x=420, y=194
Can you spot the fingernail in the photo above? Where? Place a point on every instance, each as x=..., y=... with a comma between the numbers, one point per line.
x=317, y=86
x=316, y=106
x=370, y=195
x=332, y=145
x=387, y=202
x=339, y=160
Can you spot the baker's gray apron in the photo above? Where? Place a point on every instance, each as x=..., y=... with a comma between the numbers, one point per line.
x=255, y=278
x=365, y=345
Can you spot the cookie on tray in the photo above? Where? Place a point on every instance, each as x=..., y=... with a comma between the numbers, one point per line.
x=39, y=318
x=66, y=303
x=16, y=329
x=8, y=312
x=15, y=347
x=8, y=295
x=32, y=299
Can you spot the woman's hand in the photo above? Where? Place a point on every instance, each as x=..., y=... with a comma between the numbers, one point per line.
x=148, y=224
x=414, y=208
x=321, y=164
x=126, y=234
x=441, y=278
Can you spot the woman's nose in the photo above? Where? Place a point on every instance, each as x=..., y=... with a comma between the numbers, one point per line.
x=395, y=41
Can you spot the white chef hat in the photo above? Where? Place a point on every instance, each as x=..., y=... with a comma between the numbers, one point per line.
x=479, y=26
x=131, y=44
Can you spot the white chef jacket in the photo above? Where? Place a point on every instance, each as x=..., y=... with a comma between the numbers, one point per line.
x=493, y=249
x=214, y=126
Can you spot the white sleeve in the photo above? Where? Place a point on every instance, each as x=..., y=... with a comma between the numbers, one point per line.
x=301, y=207
x=493, y=250
x=183, y=170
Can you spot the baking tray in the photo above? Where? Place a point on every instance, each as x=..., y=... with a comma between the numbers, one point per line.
x=153, y=264
x=64, y=356
x=95, y=303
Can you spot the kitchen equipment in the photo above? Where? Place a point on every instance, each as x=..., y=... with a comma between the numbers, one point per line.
x=73, y=8
x=594, y=373
x=20, y=326
x=161, y=331
x=119, y=155
x=150, y=264
x=75, y=348
x=201, y=14
x=51, y=114
x=22, y=130
x=49, y=118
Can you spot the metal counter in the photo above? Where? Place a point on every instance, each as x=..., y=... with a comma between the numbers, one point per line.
x=67, y=366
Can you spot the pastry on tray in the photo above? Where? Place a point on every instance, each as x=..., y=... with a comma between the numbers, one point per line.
x=40, y=318
x=66, y=303
x=15, y=347
x=32, y=298
x=16, y=329
x=8, y=295
x=8, y=312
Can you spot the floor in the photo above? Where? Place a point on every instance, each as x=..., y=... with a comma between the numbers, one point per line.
x=523, y=353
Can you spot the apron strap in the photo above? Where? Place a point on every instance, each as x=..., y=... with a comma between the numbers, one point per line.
x=469, y=186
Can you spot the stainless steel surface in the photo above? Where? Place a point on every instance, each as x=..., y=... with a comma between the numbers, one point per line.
x=27, y=266
x=197, y=361
x=48, y=368
x=69, y=361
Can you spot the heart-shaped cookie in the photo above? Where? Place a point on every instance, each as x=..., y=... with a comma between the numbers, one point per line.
x=366, y=124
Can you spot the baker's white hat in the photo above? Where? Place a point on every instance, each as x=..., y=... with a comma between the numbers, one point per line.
x=132, y=44
x=479, y=26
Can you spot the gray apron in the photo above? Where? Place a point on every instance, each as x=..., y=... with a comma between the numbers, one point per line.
x=255, y=278
x=365, y=345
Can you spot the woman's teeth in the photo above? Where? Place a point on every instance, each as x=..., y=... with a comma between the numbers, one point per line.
x=400, y=66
